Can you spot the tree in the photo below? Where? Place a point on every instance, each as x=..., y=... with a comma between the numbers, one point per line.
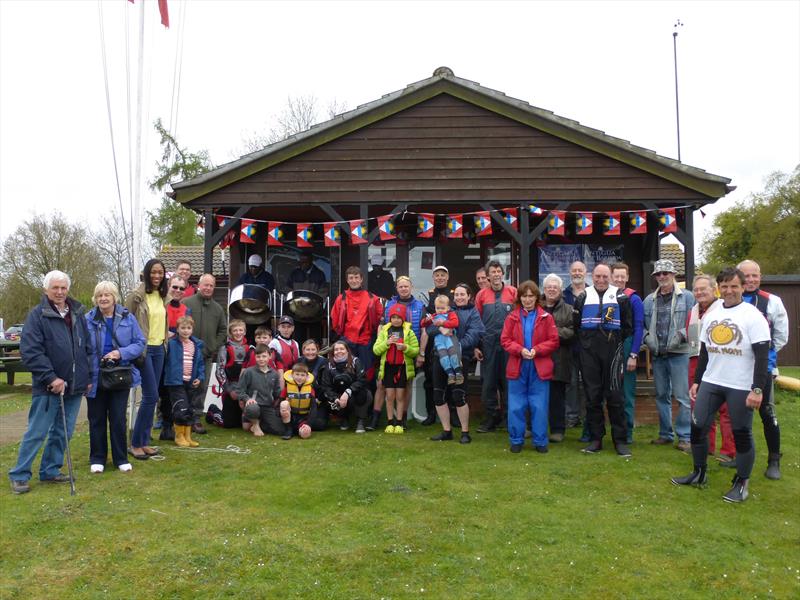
x=172, y=223
x=765, y=227
x=114, y=248
x=41, y=245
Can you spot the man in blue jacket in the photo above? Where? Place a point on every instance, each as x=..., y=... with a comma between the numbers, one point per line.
x=55, y=348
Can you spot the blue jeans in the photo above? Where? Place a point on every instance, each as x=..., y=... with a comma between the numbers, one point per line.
x=671, y=374
x=528, y=393
x=151, y=375
x=45, y=421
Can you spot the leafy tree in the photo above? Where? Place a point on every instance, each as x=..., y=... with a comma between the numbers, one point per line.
x=171, y=223
x=765, y=227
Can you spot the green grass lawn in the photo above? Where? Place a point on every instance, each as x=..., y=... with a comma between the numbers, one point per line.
x=17, y=397
x=383, y=516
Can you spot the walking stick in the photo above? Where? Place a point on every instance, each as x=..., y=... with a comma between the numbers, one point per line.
x=69, y=454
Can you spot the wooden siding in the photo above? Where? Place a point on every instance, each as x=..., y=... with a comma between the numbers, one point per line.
x=448, y=150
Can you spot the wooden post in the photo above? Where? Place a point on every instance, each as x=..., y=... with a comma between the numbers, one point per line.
x=525, y=245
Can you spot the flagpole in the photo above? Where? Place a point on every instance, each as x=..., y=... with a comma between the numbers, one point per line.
x=675, y=62
x=136, y=217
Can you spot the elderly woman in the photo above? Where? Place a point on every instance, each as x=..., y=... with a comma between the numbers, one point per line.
x=146, y=303
x=529, y=337
x=553, y=303
x=415, y=311
x=115, y=339
x=343, y=387
x=469, y=331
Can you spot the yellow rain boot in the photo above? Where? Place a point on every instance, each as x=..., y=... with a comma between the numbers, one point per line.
x=180, y=436
x=187, y=434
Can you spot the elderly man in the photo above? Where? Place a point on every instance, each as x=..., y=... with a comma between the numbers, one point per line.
x=772, y=308
x=55, y=348
x=665, y=314
x=256, y=275
x=210, y=325
x=602, y=320
x=572, y=401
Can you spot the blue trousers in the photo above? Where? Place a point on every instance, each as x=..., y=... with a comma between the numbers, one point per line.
x=528, y=393
x=629, y=389
x=151, y=375
x=45, y=422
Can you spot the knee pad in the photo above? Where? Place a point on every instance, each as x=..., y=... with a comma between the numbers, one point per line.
x=252, y=412
x=459, y=398
x=438, y=398
x=697, y=434
x=743, y=439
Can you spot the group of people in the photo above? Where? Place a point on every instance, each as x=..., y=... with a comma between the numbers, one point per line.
x=535, y=348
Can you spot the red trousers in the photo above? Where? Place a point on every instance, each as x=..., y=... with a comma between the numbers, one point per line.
x=728, y=446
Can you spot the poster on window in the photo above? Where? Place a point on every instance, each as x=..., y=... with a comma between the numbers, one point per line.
x=594, y=254
x=557, y=258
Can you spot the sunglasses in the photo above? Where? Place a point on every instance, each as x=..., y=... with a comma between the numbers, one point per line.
x=175, y=287
x=662, y=274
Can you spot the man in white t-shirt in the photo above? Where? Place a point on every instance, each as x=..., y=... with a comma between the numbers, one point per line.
x=731, y=369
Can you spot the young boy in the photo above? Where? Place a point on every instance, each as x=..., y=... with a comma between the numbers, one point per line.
x=258, y=391
x=184, y=371
x=263, y=335
x=298, y=403
x=233, y=356
x=287, y=351
x=447, y=346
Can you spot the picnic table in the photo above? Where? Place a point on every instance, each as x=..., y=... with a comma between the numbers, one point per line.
x=10, y=360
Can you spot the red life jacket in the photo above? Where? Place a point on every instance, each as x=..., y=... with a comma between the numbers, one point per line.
x=233, y=368
x=289, y=352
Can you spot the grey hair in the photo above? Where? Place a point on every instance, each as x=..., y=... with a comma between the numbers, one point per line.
x=56, y=276
x=554, y=277
x=103, y=287
x=711, y=281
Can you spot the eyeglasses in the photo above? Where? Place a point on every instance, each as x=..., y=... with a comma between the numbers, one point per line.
x=175, y=287
x=663, y=274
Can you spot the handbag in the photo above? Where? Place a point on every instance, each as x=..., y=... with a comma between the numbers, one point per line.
x=115, y=377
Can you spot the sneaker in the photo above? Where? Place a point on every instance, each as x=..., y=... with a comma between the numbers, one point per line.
x=398, y=429
x=739, y=492
x=684, y=446
x=442, y=436
x=97, y=468
x=389, y=429
x=661, y=442
x=593, y=447
x=516, y=448
x=623, y=450
x=451, y=379
x=459, y=378
x=541, y=449
x=20, y=487
x=695, y=478
x=360, y=426
x=556, y=437
x=466, y=438
x=344, y=425
x=125, y=467
x=60, y=478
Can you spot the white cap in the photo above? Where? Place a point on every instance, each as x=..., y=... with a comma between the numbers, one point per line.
x=441, y=268
x=254, y=261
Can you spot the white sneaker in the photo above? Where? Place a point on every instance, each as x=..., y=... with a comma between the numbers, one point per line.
x=125, y=467
x=97, y=468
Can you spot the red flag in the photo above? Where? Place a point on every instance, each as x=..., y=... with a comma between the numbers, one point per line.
x=555, y=226
x=304, y=235
x=247, y=232
x=425, y=225
x=331, y=235
x=274, y=234
x=639, y=222
x=386, y=227
x=612, y=223
x=162, y=8
x=667, y=220
x=483, y=223
x=358, y=231
x=511, y=218
x=455, y=226
x=585, y=223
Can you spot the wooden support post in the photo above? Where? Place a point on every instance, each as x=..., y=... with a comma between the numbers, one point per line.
x=208, y=244
x=525, y=245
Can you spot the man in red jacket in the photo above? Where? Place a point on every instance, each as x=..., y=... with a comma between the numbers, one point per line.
x=355, y=317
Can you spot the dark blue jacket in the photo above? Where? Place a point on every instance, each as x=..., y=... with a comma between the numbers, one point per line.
x=51, y=351
x=415, y=311
x=173, y=365
x=469, y=332
x=130, y=342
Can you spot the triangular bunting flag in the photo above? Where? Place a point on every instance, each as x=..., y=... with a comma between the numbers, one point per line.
x=667, y=221
x=304, y=235
x=386, y=227
x=332, y=235
x=358, y=231
x=247, y=232
x=584, y=223
x=535, y=210
x=455, y=226
x=611, y=223
x=274, y=234
x=639, y=222
x=483, y=223
x=511, y=218
x=425, y=225
x=555, y=226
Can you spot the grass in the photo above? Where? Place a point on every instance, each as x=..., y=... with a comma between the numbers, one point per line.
x=17, y=397
x=380, y=516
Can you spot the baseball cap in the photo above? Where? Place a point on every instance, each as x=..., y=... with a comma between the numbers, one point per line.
x=286, y=319
x=440, y=268
x=254, y=261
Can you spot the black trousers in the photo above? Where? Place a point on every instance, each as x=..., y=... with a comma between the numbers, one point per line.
x=108, y=407
x=602, y=369
x=557, y=413
x=493, y=373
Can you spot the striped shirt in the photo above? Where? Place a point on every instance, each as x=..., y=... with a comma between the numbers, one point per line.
x=188, y=359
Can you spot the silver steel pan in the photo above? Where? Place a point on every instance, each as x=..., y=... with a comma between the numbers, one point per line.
x=304, y=306
x=250, y=303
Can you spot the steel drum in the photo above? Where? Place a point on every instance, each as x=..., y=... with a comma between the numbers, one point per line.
x=304, y=306
x=250, y=303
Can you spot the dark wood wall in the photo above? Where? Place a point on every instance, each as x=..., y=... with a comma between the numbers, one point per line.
x=788, y=288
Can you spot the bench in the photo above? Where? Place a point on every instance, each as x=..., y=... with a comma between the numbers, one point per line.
x=11, y=365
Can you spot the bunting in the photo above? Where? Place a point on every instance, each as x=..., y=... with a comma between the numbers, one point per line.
x=483, y=223
x=332, y=235
x=639, y=222
x=425, y=225
x=304, y=236
x=274, y=234
x=455, y=226
x=611, y=223
x=511, y=218
x=535, y=210
x=386, y=227
x=555, y=225
x=584, y=223
x=667, y=221
x=358, y=231
x=247, y=231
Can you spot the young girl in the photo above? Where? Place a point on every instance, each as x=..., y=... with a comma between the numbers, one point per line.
x=447, y=347
x=233, y=357
x=397, y=346
x=184, y=371
x=298, y=402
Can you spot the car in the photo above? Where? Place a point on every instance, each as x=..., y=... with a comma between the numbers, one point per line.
x=14, y=332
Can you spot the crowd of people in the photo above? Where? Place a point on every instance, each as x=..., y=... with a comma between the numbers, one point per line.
x=548, y=359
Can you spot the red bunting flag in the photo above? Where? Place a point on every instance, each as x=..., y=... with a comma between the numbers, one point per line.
x=247, y=232
x=639, y=222
x=425, y=225
x=611, y=223
x=535, y=210
x=483, y=223
x=555, y=226
x=511, y=218
x=274, y=234
x=584, y=223
x=455, y=226
x=667, y=220
x=304, y=235
x=386, y=227
x=358, y=231
x=332, y=235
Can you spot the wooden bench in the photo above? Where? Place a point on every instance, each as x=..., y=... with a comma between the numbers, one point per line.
x=11, y=365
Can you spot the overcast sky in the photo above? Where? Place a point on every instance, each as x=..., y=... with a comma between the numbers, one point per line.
x=607, y=65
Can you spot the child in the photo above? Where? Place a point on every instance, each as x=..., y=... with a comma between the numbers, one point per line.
x=447, y=347
x=263, y=335
x=397, y=346
x=286, y=349
x=234, y=356
x=184, y=371
x=258, y=391
x=299, y=402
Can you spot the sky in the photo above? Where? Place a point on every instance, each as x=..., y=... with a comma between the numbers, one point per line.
x=608, y=65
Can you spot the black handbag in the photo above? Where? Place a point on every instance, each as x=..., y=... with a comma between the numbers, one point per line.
x=115, y=377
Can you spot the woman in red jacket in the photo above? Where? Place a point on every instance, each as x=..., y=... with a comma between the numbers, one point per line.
x=529, y=337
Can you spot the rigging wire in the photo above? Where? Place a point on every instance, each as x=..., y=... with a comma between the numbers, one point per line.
x=179, y=60
x=128, y=116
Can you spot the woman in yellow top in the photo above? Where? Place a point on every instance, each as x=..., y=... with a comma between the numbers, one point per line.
x=146, y=303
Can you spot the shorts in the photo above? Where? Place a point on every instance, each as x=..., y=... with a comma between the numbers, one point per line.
x=394, y=376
